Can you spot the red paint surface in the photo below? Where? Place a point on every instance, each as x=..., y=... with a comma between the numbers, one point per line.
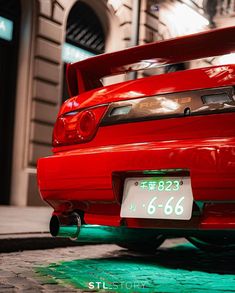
x=210, y=77
x=89, y=176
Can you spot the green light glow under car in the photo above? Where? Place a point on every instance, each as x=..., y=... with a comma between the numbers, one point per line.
x=181, y=268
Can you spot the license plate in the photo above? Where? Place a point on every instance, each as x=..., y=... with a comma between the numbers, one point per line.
x=157, y=198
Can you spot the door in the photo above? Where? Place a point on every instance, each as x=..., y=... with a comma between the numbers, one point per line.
x=9, y=28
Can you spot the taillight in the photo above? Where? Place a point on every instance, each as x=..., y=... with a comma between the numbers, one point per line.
x=77, y=126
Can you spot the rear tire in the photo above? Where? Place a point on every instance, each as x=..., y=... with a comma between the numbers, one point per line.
x=213, y=244
x=144, y=246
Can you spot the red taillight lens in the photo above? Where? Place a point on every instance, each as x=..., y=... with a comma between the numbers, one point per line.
x=86, y=124
x=77, y=127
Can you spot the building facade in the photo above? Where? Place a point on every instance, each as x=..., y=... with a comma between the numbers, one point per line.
x=44, y=36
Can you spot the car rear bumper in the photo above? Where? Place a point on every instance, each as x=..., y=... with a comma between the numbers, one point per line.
x=88, y=179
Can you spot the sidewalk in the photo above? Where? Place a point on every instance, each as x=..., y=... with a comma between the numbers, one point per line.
x=24, y=228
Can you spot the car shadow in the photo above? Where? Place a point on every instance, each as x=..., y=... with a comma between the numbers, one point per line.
x=186, y=257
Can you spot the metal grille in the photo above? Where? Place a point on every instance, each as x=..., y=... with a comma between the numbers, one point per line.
x=84, y=29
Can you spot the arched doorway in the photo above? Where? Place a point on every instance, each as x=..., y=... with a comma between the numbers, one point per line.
x=85, y=36
x=9, y=40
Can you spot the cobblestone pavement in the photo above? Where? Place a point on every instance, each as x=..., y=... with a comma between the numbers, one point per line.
x=176, y=267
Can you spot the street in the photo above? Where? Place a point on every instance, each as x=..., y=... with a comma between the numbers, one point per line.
x=176, y=267
x=117, y=126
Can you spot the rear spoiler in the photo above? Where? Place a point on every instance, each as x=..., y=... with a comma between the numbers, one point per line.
x=86, y=75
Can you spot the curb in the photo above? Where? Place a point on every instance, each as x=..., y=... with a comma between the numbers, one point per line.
x=32, y=241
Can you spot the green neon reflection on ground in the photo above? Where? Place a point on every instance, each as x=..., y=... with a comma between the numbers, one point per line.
x=105, y=234
x=179, y=269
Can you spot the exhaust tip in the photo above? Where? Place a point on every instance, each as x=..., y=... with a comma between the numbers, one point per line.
x=54, y=226
x=65, y=225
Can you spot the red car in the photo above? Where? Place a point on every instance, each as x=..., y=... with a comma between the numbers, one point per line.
x=150, y=158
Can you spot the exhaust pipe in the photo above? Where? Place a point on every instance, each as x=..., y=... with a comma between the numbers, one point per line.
x=69, y=226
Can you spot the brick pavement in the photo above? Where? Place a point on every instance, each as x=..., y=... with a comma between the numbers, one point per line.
x=17, y=269
x=177, y=267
